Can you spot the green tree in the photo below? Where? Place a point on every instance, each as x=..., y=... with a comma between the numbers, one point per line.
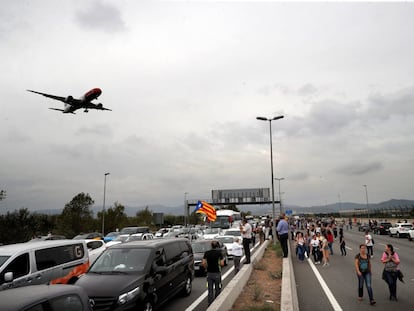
x=77, y=216
x=115, y=217
x=144, y=217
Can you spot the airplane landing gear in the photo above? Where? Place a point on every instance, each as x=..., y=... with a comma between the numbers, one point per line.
x=86, y=110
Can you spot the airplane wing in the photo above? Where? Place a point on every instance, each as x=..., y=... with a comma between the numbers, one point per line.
x=62, y=99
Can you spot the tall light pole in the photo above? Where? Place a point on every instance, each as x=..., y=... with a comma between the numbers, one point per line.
x=280, y=198
x=186, y=216
x=103, y=206
x=271, y=169
x=366, y=196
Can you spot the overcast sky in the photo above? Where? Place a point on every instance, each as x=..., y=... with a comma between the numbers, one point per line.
x=186, y=81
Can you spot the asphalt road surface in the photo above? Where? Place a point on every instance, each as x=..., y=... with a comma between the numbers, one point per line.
x=336, y=287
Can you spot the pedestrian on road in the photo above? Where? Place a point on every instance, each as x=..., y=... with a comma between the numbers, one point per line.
x=369, y=243
x=213, y=260
x=283, y=233
x=246, y=231
x=300, y=245
x=237, y=251
x=325, y=250
x=315, y=249
x=363, y=271
x=391, y=262
x=330, y=238
x=342, y=245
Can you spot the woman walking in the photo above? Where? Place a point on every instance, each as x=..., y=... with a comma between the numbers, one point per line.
x=363, y=271
x=391, y=262
x=325, y=250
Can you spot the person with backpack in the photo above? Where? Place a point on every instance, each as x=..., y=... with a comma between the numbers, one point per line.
x=363, y=271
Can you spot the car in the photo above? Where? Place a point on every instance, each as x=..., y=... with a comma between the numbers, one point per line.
x=364, y=227
x=89, y=236
x=132, y=230
x=57, y=297
x=411, y=234
x=228, y=241
x=234, y=232
x=140, y=275
x=95, y=248
x=399, y=229
x=382, y=228
x=160, y=233
x=123, y=238
x=211, y=233
x=43, y=262
x=199, y=248
x=110, y=236
x=49, y=237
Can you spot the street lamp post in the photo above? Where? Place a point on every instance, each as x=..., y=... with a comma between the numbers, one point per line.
x=186, y=216
x=280, y=198
x=103, y=206
x=366, y=196
x=271, y=169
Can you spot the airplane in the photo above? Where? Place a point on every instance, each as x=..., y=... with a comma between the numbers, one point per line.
x=73, y=104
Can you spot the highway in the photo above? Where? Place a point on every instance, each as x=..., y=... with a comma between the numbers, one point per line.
x=336, y=287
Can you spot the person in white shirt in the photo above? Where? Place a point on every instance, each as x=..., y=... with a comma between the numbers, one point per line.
x=369, y=243
x=246, y=231
x=237, y=251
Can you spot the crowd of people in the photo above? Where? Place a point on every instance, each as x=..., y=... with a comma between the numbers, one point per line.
x=314, y=239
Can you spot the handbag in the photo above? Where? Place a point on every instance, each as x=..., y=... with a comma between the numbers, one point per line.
x=400, y=276
x=390, y=266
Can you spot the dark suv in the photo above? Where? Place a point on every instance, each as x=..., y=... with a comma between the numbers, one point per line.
x=382, y=228
x=140, y=275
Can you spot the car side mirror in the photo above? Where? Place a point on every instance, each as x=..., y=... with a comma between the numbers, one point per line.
x=8, y=276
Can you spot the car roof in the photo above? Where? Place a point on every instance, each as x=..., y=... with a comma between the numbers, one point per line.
x=155, y=243
x=22, y=297
x=13, y=248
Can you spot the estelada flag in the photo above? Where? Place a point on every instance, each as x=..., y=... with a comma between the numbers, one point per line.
x=205, y=208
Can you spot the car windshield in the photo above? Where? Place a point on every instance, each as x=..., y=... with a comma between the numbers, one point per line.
x=3, y=259
x=201, y=247
x=121, y=260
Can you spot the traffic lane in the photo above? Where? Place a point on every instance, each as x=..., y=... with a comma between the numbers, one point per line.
x=341, y=279
x=197, y=301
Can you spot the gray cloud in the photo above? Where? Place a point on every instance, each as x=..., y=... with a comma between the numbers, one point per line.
x=100, y=16
x=360, y=168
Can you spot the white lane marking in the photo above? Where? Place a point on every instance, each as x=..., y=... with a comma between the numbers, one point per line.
x=325, y=287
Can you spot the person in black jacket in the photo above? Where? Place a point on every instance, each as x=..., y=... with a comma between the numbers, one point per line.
x=213, y=260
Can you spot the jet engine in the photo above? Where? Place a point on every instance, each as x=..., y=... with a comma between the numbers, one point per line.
x=69, y=99
x=99, y=106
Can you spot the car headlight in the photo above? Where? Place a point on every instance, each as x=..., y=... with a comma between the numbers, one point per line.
x=126, y=297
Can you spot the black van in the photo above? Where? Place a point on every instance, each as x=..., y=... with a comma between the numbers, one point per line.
x=140, y=275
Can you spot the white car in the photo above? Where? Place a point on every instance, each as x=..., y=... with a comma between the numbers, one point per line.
x=95, y=248
x=123, y=238
x=228, y=241
x=211, y=233
x=234, y=232
x=399, y=229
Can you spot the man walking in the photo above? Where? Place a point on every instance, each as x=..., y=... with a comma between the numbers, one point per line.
x=246, y=231
x=213, y=260
x=283, y=232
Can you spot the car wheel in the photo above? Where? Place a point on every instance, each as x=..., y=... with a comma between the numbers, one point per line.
x=409, y=237
x=188, y=286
